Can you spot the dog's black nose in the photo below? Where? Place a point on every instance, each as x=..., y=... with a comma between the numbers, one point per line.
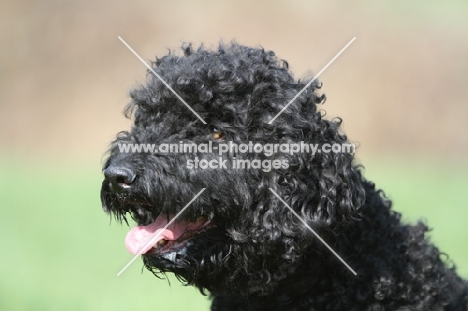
x=120, y=178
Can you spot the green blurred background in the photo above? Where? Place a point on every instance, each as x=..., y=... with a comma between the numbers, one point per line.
x=401, y=89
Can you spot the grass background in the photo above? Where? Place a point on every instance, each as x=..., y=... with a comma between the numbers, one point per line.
x=61, y=252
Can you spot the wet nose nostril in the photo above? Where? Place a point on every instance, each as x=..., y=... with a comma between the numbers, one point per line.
x=120, y=178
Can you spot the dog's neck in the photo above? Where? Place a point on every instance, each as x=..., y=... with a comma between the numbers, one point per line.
x=394, y=262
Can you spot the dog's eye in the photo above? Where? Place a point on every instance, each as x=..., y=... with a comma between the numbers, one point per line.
x=217, y=134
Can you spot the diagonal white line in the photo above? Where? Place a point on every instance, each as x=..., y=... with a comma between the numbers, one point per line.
x=311, y=81
x=164, y=82
x=313, y=231
x=156, y=236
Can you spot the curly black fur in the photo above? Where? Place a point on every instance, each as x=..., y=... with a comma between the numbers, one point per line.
x=258, y=255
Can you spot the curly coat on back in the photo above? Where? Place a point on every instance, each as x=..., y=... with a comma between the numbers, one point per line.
x=237, y=240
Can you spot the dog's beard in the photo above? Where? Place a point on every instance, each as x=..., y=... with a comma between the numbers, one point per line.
x=196, y=243
x=195, y=261
x=212, y=242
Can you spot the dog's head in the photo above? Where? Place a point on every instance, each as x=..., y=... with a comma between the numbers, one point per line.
x=236, y=236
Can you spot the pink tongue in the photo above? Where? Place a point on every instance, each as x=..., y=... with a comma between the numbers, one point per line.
x=141, y=239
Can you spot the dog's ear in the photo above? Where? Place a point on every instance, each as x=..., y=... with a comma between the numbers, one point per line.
x=323, y=185
x=324, y=189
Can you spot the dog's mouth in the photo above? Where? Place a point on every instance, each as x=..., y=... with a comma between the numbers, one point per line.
x=165, y=235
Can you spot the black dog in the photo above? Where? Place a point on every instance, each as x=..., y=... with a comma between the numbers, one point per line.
x=237, y=239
